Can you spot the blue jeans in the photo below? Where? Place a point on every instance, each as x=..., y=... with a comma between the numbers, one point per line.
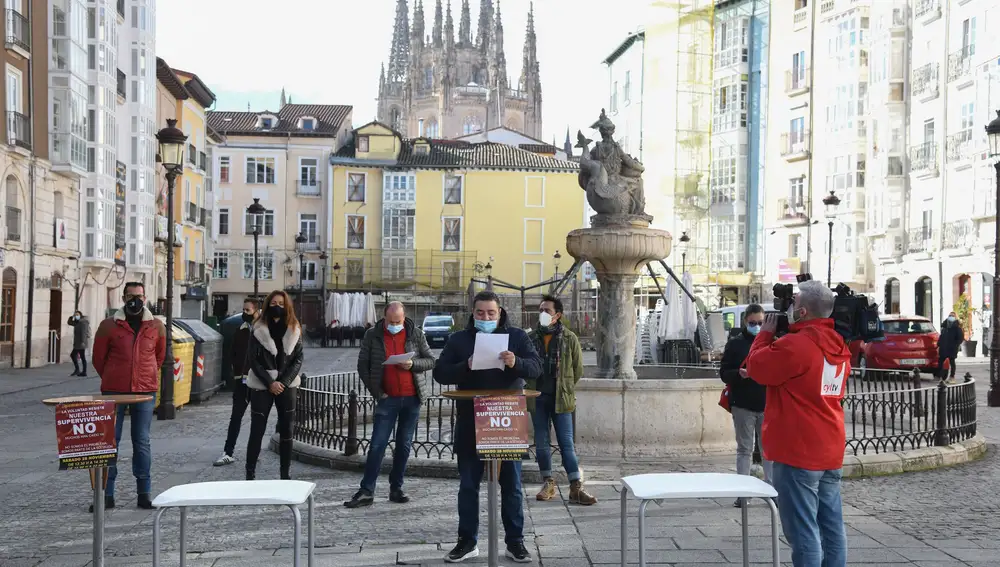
x=545, y=412
x=811, y=515
x=140, y=418
x=402, y=413
x=470, y=471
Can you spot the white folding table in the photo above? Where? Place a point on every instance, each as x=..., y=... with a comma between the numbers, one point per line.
x=291, y=493
x=681, y=486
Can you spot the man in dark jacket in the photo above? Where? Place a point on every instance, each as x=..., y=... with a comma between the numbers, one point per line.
x=952, y=336
x=521, y=362
x=129, y=348
x=81, y=340
x=746, y=397
x=399, y=390
x=241, y=394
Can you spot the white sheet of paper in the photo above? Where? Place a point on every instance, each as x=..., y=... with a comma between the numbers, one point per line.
x=398, y=358
x=486, y=356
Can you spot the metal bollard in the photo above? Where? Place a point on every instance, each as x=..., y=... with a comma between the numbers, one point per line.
x=941, y=437
x=918, y=408
x=351, y=446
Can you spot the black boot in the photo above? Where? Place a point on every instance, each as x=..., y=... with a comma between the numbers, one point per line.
x=109, y=504
x=251, y=475
x=285, y=458
x=144, y=502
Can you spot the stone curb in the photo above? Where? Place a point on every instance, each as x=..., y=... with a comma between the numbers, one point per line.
x=882, y=464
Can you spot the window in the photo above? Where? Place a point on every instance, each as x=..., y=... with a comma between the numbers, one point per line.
x=968, y=38
x=927, y=226
x=421, y=149
x=401, y=187
x=260, y=170
x=267, y=223
x=355, y=232
x=308, y=124
x=614, y=97
x=794, y=242
x=968, y=112
x=432, y=128
x=13, y=90
x=453, y=189
x=451, y=234
x=265, y=265
x=309, y=272
x=627, y=92
x=220, y=265
x=363, y=143
x=223, y=221
x=398, y=267
x=355, y=272
x=308, y=168
x=420, y=127
x=798, y=69
x=307, y=226
x=472, y=125
x=266, y=122
x=224, y=169
x=398, y=225
x=799, y=4
x=796, y=130
x=356, y=187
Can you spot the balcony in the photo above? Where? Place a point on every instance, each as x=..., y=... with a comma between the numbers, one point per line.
x=960, y=146
x=924, y=159
x=959, y=234
x=793, y=212
x=122, y=90
x=308, y=188
x=192, y=213
x=18, y=130
x=797, y=81
x=800, y=19
x=919, y=240
x=13, y=221
x=927, y=11
x=795, y=145
x=925, y=82
x=202, y=159
x=18, y=33
x=960, y=63
x=827, y=6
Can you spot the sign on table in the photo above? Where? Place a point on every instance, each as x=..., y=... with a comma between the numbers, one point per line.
x=85, y=432
x=501, y=427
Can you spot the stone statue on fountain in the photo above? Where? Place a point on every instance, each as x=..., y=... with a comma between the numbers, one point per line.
x=612, y=179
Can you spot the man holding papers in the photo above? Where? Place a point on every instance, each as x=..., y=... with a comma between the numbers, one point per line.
x=394, y=355
x=487, y=355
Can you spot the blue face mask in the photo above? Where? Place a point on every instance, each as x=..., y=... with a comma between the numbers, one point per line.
x=486, y=326
x=753, y=329
x=394, y=329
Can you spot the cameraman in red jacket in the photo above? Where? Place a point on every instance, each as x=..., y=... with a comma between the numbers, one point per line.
x=805, y=373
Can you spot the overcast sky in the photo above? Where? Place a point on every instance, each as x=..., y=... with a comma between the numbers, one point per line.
x=330, y=51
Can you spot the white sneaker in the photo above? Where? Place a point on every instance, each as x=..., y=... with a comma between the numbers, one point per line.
x=224, y=460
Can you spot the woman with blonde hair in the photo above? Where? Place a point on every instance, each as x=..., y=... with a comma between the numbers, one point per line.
x=275, y=362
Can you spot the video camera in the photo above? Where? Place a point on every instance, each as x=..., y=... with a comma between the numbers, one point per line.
x=854, y=316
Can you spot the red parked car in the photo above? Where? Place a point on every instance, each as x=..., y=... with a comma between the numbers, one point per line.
x=910, y=342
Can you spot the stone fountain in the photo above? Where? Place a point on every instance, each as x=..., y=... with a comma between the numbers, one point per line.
x=618, y=415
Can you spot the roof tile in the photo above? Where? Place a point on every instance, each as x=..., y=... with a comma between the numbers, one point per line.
x=329, y=119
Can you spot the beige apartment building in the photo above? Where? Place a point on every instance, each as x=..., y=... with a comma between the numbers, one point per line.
x=282, y=159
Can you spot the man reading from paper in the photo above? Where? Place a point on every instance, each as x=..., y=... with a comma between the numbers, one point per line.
x=454, y=366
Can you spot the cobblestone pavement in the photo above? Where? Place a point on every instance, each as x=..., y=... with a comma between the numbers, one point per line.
x=941, y=518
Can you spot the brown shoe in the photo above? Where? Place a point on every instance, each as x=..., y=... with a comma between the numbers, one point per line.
x=577, y=495
x=548, y=491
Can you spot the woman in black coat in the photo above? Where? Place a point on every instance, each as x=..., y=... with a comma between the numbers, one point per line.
x=275, y=363
x=952, y=336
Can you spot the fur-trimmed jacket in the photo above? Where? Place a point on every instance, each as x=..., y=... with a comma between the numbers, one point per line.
x=264, y=357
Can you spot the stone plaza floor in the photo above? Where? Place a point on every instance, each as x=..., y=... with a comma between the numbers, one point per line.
x=943, y=518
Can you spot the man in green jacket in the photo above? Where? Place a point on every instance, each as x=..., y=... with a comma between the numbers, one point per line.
x=562, y=368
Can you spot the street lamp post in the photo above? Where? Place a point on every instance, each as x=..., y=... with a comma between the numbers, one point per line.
x=685, y=239
x=336, y=276
x=993, y=398
x=171, y=140
x=831, y=202
x=256, y=210
x=322, y=298
x=300, y=241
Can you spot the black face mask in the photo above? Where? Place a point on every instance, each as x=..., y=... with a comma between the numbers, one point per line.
x=247, y=318
x=133, y=306
x=276, y=312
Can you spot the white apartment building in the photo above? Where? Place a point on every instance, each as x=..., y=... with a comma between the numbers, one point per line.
x=283, y=159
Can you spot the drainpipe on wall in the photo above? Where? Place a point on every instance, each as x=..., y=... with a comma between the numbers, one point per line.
x=31, y=206
x=812, y=146
x=943, y=156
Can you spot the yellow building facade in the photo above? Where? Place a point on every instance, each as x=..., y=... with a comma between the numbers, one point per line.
x=428, y=215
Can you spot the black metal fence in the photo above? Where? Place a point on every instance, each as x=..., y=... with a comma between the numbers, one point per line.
x=883, y=412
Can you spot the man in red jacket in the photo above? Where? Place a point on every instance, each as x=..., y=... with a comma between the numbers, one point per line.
x=805, y=373
x=129, y=348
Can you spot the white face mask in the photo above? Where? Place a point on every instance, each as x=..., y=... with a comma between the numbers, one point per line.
x=792, y=314
x=544, y=319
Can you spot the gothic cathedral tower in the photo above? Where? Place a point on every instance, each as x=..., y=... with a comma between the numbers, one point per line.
x=442, y=86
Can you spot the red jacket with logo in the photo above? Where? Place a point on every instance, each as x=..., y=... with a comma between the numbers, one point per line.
x=126, y=363
x=805, y=373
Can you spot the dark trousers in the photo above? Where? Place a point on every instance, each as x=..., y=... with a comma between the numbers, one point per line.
x=260, y=408
x=951, y=362
x=79, y=353
x=470, y=471
x=241, y=399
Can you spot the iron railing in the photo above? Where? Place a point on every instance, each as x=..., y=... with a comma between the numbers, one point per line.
x=18, y=30
x=924, y=6
x=959, y=146
x=797, y=79
x=959, y=234
x=793, y=210
x=18, y=130
x=925, y=79
x=960, y=62
x=796, y=142
x=308, y=187
x=924, y=156
x=13, y=224
x=919, y=239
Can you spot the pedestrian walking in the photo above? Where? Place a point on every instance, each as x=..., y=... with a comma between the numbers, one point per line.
x=399, y=390
x=241, y=393
x=81, y=341
x=746, y=397
x=951, y=337
x=805, y=373
x=562, y=368
x=275, y=361
x=129, y=348
x=454, y=366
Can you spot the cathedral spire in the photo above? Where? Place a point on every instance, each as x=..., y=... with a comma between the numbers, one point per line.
x=449, y=30
x=568, y=145
x=529, y=63
x=282, y=101
x=465, y=26
x=417, y=32
x=485, y=26
x=496, y=48
x=437, y=25
x=399, y=55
